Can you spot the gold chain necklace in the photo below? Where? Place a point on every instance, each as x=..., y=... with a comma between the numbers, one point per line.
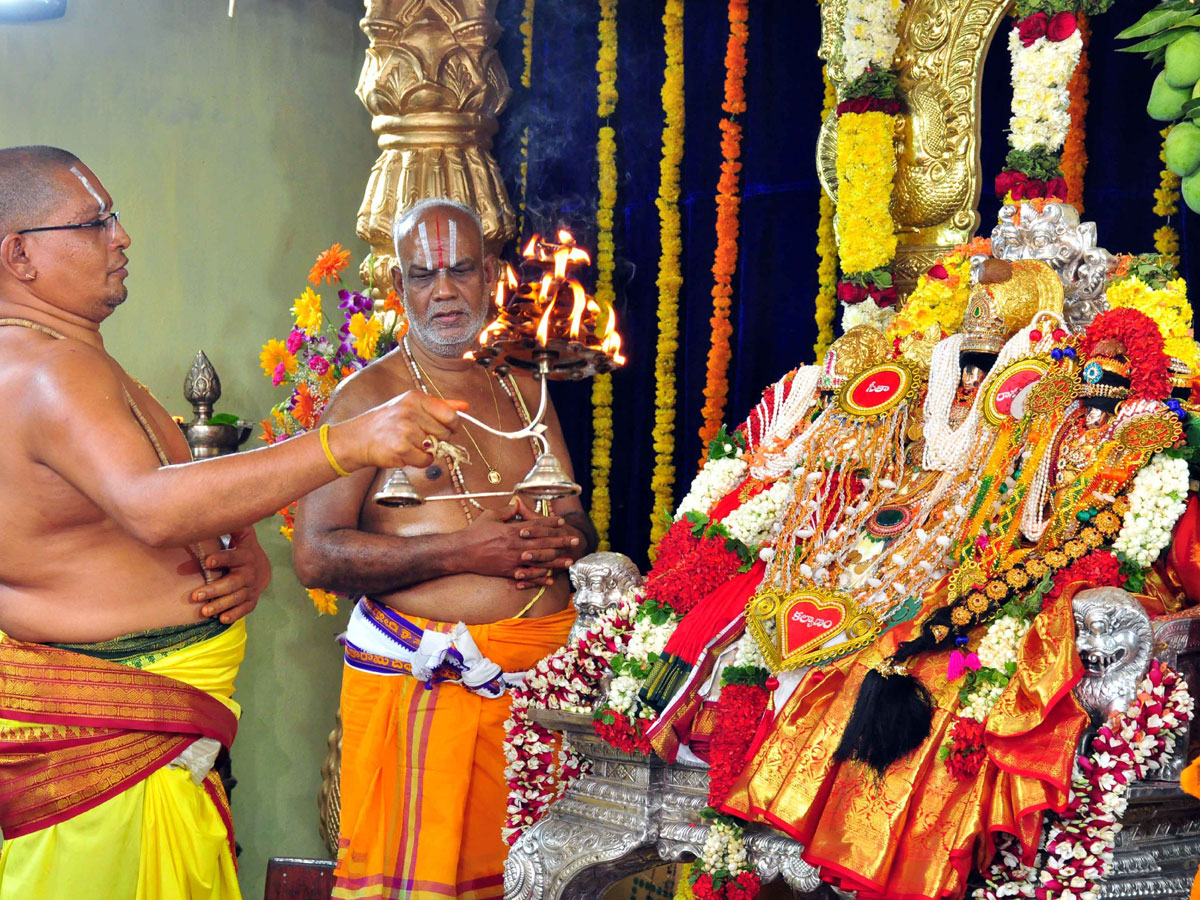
x=493, y=475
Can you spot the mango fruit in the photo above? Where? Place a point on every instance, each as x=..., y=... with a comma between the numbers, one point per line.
x=1183, y=149
x=1166, y=102
x=1190, y=188
x=1183, y=61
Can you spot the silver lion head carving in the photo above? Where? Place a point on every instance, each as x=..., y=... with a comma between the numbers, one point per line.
x=1113, y=636
x=1057, y=237
x=601, y=580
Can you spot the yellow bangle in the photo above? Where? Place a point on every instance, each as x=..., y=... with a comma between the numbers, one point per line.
x=324, y=432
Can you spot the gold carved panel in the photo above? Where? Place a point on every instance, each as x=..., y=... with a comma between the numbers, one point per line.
x=433, y=84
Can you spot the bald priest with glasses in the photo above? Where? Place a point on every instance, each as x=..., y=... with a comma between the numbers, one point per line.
x=121, y=606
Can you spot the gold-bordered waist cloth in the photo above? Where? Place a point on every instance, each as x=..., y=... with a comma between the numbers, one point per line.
x=144, y=647
x=381, y=640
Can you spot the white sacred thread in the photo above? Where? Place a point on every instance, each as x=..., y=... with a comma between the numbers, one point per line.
x=87, y=186
x=423, y=233
x=453, y=243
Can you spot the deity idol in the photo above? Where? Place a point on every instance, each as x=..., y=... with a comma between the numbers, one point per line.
x=984, y=764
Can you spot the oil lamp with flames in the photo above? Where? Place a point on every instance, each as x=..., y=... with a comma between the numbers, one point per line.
x=550, y=327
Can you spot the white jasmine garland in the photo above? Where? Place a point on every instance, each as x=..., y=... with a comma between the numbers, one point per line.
x=1156, y=501
x=724, y=850
x=752, y=522
x=1041, y=102
x=869, y=37
x=866, y=313
x=716, y=478
x=632, y=667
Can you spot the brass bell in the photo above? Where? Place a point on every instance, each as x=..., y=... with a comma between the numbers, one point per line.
x=397, y=491
x=547, y=480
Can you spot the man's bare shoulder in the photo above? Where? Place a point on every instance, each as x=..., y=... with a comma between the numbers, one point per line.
x=41, y=369
x=379, y=382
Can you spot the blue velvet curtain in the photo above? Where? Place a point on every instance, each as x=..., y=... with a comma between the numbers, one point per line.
x=776, y=280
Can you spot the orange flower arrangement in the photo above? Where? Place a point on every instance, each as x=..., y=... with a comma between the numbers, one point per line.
x=1074, y=155
x=305, y=411
x=716, y=387
x=329, y=265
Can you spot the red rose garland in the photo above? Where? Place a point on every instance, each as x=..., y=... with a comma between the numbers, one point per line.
x=740, y=709
x=1143, y=345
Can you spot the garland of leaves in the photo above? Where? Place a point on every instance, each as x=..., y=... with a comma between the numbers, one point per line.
x=670, y=277
x=826, y=302
x=716, y=386
x=606, y=158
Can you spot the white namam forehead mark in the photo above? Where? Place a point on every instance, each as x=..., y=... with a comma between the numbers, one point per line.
x=423, y=234
x=87, y=186
x=453, y=243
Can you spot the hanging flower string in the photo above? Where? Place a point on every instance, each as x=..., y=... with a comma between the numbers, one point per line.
x=1074, y=155
x=606, y=158
x=826, y=302
x=1166, y=204
x=716, y=386
x=866, y=157
x=670, y=277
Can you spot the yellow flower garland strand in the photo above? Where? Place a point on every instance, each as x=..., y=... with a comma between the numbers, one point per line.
x=826, y=302
x=526, y=30
x=606, y=157
x=670, y=278
x=729, y=201
x=866, y=167
x=1166, y=204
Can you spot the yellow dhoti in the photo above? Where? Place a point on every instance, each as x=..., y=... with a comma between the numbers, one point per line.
x=423, y=789
x=163, y=837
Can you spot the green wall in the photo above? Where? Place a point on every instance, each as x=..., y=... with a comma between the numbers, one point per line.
x=235, y=150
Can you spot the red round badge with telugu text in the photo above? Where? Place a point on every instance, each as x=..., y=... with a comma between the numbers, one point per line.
x=877, y=389
x=1007, y=385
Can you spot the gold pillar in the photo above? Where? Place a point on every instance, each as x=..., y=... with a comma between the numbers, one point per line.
x=433, y=84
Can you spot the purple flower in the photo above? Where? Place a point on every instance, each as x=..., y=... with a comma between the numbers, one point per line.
x=296, y=340
x=318, y=364
x=354, y=302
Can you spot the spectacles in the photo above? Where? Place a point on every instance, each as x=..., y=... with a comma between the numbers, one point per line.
x=108, y=222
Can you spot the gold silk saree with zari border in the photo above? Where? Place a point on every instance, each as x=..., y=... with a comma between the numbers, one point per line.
x=90, y=805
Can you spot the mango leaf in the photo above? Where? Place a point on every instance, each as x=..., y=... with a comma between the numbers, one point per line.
x=1158, y=19
x=1156, y=57
x=1191, y=108
x=1159, y=40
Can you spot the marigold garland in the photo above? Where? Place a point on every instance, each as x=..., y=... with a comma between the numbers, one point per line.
x=606, y=157
x=729, y=200
x=866, y=166
x=670, y=277
x=1074, y=154
x=826, y=302
x=1166, y=204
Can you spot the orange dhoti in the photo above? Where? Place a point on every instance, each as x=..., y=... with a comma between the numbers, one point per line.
x=915, y=833
x=423, y=790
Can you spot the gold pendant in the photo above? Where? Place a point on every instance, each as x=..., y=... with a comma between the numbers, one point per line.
x=494, y=476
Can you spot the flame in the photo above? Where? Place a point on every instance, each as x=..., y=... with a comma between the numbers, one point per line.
x=544, y=290
x=581, y=302
x=612, y=347
x=530, y=250
x=509, y=280
x=561, y=257
x=565, y=237
x=543, y=329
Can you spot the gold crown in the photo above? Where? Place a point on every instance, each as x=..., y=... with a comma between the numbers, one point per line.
x=984, y=330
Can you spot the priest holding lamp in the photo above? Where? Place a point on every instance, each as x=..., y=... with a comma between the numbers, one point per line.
x=456, y=596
